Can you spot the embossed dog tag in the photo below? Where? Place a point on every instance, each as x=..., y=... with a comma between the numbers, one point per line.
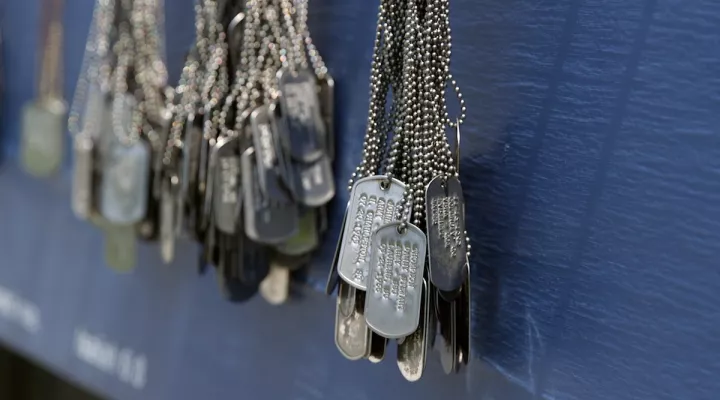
x=412, y=352
x=352, y=336
x=371, y=205
x=333, y=276
x=82, y=176
x=447, y=247
x=306, y=239
x=271, y=164
x=268, y=219
x=327, y=108
x=301, y=117
x=43, y=130
x=314, y=183
x=124, y=188
x=394, y=293
x=226, y=201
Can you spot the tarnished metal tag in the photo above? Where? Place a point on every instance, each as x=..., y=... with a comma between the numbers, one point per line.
x=327, y=108
x=447, y=247
x=226, y=196
x=124, y=187
x=43, y=130
x=352, y=336
x=394, y=293
x=82, y=176
x=412, y=352
x=373, y=202
x=302, y=120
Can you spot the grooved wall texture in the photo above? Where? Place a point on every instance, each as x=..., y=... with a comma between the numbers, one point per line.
x=591, y=167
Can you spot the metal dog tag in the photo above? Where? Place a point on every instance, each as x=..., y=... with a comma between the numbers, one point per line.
x=275, y=288
x=327, y=109
x=120, y=247
x=373, y=202
x=333, y=276
x=447, y=247
x=235, y=39
x=314, y=183
x=271, y=164
x=352, y=336
x=43, y=130
x=378, y=344
x=168, y=219
x=306, y=239
x=446, y=312
x=268, y=220
x=158, y=143
x=412, y=352
x=394, y=293
x=226, y=201
x=82, y=176
x=124, y=188
x=302, y=121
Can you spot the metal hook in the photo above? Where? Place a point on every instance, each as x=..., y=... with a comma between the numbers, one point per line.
x=457, y=146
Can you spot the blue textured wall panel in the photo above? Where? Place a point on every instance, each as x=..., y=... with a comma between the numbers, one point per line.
x=591, y=167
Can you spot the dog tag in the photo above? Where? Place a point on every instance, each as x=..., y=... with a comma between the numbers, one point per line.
x=268, y=219
x=314, y=183
x=43, y=129
x=235, y=39
x=333, y=276
x=158, y=143
x=275, y=288
x=234, y=288
x=352, y=336
x=82, y=178
x=271, y=168
x=447, y=246
x=446, y=312
x=168, y=217
x=463, y=324
x=394, y=292
x=124, y=188
x=412, y=352
x=373, y=202
x=378, y=344
x=327, y=108
x=226, y=202
x=302, y=121
x=120, y=247
x=306, y=239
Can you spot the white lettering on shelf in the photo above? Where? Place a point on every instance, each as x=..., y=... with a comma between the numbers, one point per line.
x=17, y=310
x=127, y=365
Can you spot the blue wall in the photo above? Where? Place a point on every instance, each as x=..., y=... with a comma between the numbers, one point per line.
x=591, y=166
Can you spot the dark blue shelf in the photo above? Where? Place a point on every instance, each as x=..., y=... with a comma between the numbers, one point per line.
x=591, y=167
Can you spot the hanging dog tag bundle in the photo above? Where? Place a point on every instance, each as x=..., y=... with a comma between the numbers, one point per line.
x=245, y=160
x=406, y=207
x=116, y=107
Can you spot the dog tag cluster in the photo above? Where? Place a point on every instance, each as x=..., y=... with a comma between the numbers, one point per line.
x=401, y=266
x=238, y=156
